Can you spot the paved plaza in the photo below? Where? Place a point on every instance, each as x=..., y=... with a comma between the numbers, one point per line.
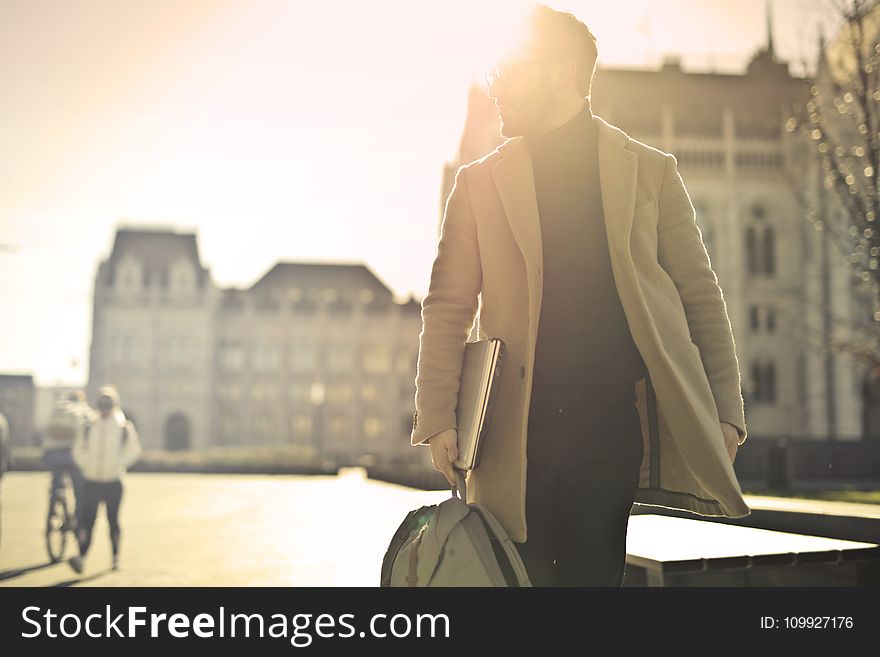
x=217, y=530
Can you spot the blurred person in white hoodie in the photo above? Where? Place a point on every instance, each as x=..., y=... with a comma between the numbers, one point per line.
x=104, y=453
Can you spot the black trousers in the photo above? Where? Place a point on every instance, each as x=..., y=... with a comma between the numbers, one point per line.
x=582, y=476
x=93, y=493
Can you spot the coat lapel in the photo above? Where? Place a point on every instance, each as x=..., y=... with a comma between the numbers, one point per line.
x=516, y=188
x=514, y=180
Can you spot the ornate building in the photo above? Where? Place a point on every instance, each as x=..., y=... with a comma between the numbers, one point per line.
x=312, y=354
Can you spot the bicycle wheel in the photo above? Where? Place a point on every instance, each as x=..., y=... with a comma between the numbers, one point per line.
x=56, y=528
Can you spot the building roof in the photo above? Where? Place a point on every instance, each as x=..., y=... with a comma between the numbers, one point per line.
x=156, y=249
x=757, y=100
x=309, y=275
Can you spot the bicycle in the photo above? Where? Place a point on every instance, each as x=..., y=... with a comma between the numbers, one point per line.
x=59, y=520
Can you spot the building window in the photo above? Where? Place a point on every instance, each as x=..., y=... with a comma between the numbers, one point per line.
x=370, y=392
x=406, y=362
x=182, y=277
x=760, y=244
x=751, y=251
x=301, y=392
x=374, y=427
x=769, y=251
x=762, y=316
x=339, y=392
x=377, y=358
x=231, y=357
x=267, y=357
x=229, y=391
x=303, y=357
x=129, y=276
x=763, y=382
x=338, y=425
x=301, y=427
x=177, y=351
x=264, y=424
x=264, y=392
x=339, y=357
x=228, y=426
x=339, y=303
x=124, y=350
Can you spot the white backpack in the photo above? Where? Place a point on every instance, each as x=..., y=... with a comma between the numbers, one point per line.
x=452, y=544
x=64, y=422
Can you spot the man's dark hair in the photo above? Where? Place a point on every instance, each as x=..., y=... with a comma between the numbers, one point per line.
x=560, y=35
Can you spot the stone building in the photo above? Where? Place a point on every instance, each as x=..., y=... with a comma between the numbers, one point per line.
x=17, y=404
x=319, y=355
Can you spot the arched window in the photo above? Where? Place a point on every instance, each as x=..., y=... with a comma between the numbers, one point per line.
x=177, y=432
x=760, y=243
x=183, y=278
x=128, y=275
x=751, y=251
x=769, y=251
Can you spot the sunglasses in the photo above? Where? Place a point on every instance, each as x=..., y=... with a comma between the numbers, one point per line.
x=503, y=72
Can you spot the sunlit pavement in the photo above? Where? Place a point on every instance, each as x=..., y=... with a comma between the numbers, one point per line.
x=217, y=530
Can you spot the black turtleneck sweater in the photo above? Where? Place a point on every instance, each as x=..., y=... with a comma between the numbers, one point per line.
x=585, y=353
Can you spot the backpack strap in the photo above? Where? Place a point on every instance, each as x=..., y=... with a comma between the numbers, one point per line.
x=459, y=488
x=497, y=531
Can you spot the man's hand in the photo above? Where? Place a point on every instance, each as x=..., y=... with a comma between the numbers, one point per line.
x=444, y=451
x=731, y=439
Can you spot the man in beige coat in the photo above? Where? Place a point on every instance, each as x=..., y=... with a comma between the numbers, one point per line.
x=489, y=266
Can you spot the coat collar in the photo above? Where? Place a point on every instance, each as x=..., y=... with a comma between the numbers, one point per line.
x=516, y=187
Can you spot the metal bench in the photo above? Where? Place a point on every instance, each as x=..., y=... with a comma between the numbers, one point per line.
x=672, y=551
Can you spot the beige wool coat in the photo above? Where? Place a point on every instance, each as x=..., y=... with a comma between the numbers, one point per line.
x=488, y=267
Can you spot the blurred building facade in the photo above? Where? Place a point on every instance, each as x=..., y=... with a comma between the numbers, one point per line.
x=313, y=354
x=728, y=133
x=17, y=405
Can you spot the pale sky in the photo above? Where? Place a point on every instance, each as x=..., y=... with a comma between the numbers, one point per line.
x=276, y=129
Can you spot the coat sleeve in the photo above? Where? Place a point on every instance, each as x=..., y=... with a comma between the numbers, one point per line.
x=683, y=255
x=448, y=312
x=133, y=447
